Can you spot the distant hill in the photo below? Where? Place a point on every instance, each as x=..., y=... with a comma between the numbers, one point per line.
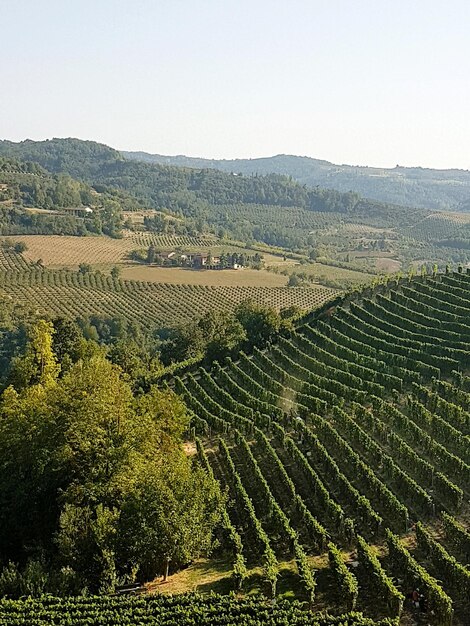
x=273, y=208
x=411, y=186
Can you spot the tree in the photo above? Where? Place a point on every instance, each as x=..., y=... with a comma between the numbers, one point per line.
x=130, y=358
x=96, y=478
x=67, y=342
x=20, y=247
x=185, y=342
x=38, y=365
x=84, y=268
x=168, y=516
x=260, y=322
x=151, y=255
x=294, y=280
x=222, y=333
x=116, y=272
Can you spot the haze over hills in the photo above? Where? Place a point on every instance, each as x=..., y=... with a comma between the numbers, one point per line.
x=411, y=186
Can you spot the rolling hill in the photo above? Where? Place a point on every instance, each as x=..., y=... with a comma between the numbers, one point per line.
x=411, y=186
x=352, y=436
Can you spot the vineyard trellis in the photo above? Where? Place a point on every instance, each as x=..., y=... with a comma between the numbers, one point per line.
x=353, y=431
x=64, y=292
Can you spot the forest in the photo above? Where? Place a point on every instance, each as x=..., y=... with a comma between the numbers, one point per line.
x=411, y=186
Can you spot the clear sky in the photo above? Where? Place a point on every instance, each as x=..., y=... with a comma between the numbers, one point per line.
x=375, y=82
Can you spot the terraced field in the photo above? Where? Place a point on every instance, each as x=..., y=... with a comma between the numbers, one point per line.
x=350, y=441
x=63, y=292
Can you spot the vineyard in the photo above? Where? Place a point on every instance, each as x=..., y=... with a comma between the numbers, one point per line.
x=10, y=260
x=189, y=610
x=145, y=239
x=438, y=226
x=72, y=294
x=349, y=440
x=60, y=250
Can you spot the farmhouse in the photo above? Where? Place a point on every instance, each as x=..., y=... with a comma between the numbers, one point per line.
x=205, y=260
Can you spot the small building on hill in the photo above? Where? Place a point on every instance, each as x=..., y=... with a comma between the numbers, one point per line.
x=80, y=211
x=205, y=260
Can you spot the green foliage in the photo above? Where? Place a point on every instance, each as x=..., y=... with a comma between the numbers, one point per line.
x=38, y=366
x=26, y=184
x=92, y=476
x=346, y=582
x=214, y=336
x=181, y=610
x=261, y=323
x=412, y=186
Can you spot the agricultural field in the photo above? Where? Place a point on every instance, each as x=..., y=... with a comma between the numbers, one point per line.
x=145, y=239
x=438, y=226
x=61, y=251
x=10, y=260
x=72, y=294
x=187, y=610
x=181, y=276
x=320, y=272
x=64, y=251
x=345, y=446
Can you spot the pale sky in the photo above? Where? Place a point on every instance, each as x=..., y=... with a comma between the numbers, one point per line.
x=370, y=82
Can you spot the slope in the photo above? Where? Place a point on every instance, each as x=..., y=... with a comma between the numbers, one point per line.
x=412, y=186
x=353, y=430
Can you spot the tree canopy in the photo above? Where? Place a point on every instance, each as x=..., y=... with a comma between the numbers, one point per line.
x=93, y=478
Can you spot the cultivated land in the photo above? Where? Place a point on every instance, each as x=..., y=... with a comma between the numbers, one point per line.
x=63, y=292
x=344, y=449
x=354, y=430
x=320, y=271
x=61, y=251
x=180, y=276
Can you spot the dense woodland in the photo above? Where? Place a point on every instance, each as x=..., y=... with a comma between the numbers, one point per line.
x=411, y=186
x=27, y=184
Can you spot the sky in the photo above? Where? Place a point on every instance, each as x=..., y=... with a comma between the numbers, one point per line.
x=364, y=82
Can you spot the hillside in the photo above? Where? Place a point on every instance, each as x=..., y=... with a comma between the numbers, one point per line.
x=152, y=304
x=412, y=186
x=34, y=200
x=354, y=430
x=191, y=191
x=272, y=209
x=342, y=446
